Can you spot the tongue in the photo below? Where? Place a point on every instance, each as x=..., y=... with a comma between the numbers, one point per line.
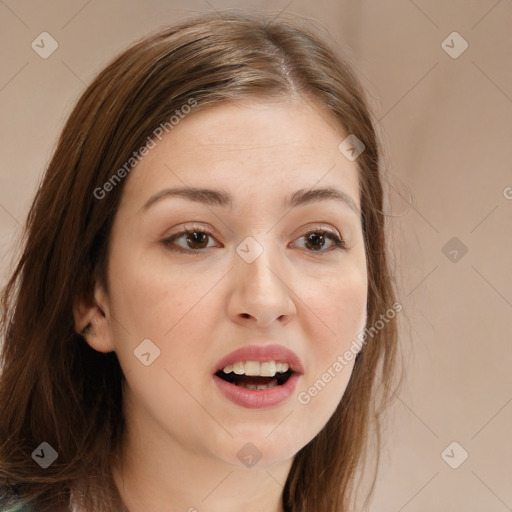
x=255, y=381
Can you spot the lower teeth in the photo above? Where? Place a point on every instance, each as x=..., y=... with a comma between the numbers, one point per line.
x=271, y=384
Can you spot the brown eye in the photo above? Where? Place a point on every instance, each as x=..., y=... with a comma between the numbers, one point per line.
x=316, y=240
x=197, y=237
x=196, y=240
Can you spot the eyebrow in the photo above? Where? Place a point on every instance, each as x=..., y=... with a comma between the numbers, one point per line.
x=223, y=199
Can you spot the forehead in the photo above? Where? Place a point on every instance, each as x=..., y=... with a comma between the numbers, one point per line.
x=261, y=124
x=255, y=146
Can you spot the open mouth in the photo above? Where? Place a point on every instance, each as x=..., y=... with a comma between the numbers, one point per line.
x=255, y=382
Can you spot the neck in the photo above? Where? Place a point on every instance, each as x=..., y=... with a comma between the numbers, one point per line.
x=156, y=472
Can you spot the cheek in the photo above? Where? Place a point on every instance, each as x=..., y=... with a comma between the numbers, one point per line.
x=163, y=303
x=338, y=315
x=152, y=298
x=337, y=306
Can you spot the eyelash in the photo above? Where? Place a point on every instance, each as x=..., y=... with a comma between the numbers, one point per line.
x=168, y=242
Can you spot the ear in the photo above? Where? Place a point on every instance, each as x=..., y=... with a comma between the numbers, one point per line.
x=92, y=320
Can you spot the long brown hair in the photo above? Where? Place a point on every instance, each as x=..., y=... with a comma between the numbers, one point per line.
x=54, y=388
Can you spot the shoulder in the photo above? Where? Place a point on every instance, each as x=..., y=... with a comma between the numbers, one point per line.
x=11, y=504
x=18, y=507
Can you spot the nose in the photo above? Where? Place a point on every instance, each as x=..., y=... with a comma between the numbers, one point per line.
x=261, y=293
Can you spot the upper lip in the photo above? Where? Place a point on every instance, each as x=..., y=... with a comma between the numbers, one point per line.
x=262, y=353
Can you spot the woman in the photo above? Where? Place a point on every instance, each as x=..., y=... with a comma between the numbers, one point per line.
x=203, y=309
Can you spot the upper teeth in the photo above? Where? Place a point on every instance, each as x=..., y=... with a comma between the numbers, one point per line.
x=255, y=368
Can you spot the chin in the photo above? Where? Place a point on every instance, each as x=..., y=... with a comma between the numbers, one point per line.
x=255, y=451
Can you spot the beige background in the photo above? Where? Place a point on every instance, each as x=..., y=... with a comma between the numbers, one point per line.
x=446, y=124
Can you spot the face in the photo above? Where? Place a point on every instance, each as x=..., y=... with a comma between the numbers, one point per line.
x=255, y=272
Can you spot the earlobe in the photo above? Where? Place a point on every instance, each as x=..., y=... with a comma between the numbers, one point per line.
x=92, y=321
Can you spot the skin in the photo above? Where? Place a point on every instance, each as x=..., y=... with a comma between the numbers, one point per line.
x=180, y=449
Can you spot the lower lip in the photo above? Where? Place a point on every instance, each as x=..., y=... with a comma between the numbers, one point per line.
x=257, y=399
